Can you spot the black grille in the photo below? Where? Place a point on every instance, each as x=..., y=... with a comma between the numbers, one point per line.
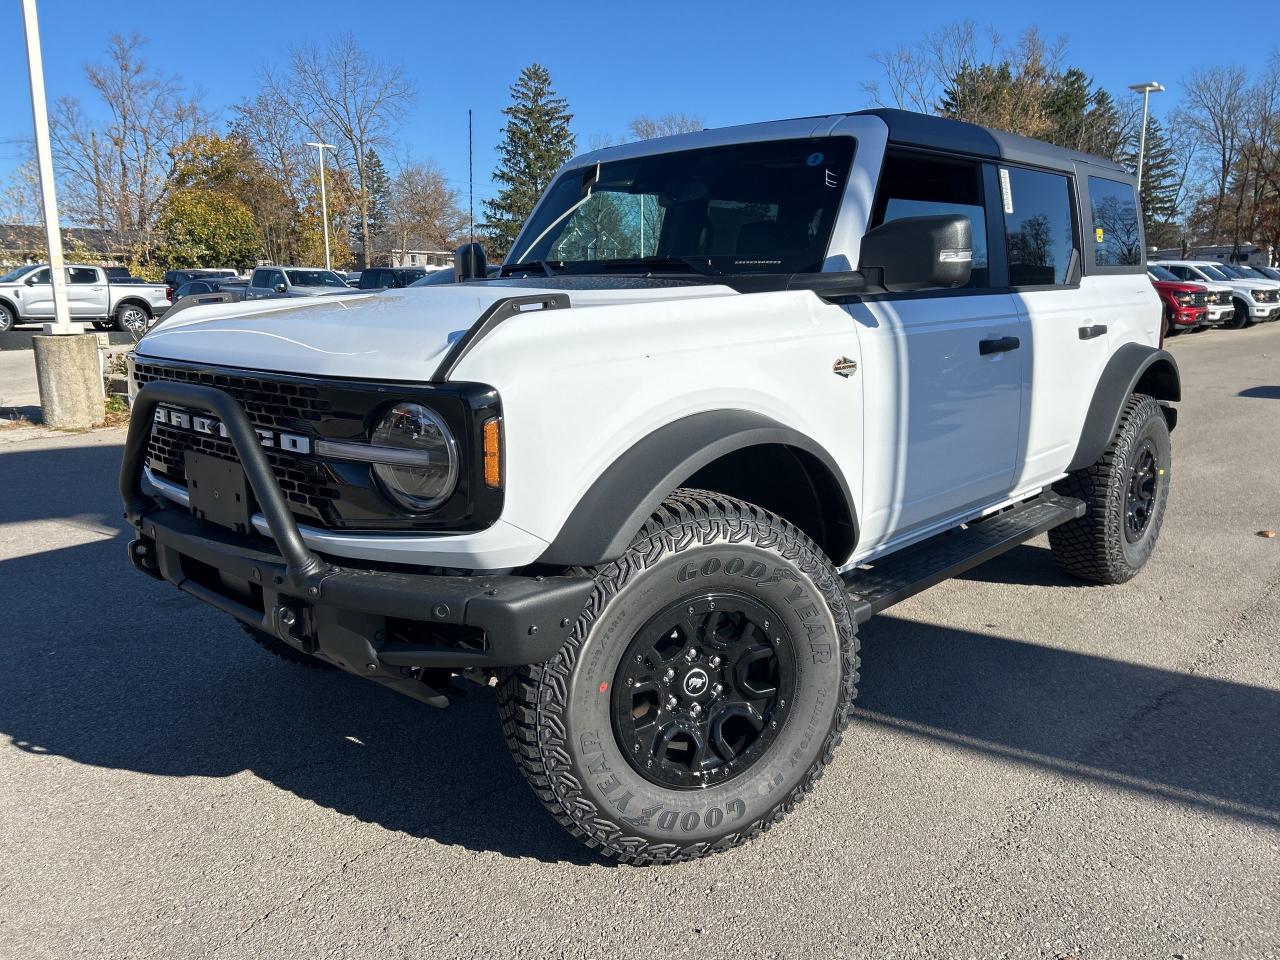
x=270, y=405
x=1198, y=299
x=1222, y=298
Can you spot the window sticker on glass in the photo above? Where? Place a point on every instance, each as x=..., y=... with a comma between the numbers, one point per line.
x=1006, y=193
x=1098, y=234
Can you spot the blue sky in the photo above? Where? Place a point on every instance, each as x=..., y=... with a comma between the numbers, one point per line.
x=724, y=62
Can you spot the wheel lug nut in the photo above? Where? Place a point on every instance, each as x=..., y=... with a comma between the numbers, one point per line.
x=713, y=662
x=671, y=703
x=691, y=656
x=668, y=676
x=717, y=689
x=695, y=709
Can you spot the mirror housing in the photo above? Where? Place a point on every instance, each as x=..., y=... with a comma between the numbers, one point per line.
x=469, y=263
x=917, y=253
x=280, y=288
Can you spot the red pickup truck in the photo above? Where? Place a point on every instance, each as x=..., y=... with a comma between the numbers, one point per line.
x=1185, y=304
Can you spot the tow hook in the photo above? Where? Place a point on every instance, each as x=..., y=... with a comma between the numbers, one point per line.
x=142, y=554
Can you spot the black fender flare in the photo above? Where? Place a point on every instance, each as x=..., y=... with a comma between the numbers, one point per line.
x=607, y=517
x=1131, y=365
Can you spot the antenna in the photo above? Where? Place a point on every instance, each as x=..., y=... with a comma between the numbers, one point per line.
x=471, y=185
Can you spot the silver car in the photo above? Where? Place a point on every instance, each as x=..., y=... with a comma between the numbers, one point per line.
x=294, y=282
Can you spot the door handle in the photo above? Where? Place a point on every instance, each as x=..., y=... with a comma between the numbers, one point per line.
x=1096, y=330
x=999, y=345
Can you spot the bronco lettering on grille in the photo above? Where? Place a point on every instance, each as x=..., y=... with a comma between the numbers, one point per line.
x=193, y=423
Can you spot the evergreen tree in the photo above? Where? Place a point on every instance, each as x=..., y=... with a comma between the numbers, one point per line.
x=1104, y=130
x=535, y=144
x=1161, y=184
x=1066, y=106
x=378, y=183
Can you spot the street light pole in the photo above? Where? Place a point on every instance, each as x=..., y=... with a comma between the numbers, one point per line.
x=1146, y=89
x=324, y=200
x=44, y=161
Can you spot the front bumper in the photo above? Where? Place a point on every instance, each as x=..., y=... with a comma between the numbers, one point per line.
x=1216, y=316
x=1264, y=311
x=399, y=627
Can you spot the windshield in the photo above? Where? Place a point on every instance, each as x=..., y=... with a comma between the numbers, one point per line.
x=14, y=274
x=315, y=278
x=745, y=208
x=1249, y=272
x=1214, y=273
x=1160, y=273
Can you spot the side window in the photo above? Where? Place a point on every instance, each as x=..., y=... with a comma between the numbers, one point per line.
x=1182, y=273
x=82, y=275
x=274, y=278
x=913, y=185
x=1117, y=235
x=259, y=278
x=1039, y=226
x=41, y=276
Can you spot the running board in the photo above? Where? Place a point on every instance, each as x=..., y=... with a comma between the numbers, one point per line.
x=905, y=573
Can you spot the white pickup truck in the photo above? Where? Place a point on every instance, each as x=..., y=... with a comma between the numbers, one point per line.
x=26, y=296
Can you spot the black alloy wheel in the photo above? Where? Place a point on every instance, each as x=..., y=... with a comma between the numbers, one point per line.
x=1140, y=499
x=703, y=690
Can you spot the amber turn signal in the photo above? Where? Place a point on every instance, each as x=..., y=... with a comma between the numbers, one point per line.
x=493, y=452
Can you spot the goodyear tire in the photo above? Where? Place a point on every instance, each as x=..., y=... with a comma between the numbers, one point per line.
x=702, y=692
x=1126, y=492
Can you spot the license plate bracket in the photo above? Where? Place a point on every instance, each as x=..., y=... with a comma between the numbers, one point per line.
x=218, y=490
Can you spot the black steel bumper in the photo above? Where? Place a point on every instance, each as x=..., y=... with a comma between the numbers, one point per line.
x=397, y=628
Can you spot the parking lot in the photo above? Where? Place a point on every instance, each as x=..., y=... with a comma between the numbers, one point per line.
x=1037, y=768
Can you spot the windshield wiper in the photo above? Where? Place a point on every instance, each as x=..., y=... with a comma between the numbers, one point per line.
x=527, y=266
x=698, y=265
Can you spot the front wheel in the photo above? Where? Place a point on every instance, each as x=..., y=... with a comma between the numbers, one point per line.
x=7, y=319
x=1126, y=492
x=702, y=692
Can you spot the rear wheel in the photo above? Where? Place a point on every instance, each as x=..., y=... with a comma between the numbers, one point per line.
x=132, y=319
x=702, y=692
x=1126, y=492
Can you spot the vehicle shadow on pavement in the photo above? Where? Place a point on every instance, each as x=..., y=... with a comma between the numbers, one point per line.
x=1261, y=393
x=1028, y=565
x=1184, y=737
x=107, y=668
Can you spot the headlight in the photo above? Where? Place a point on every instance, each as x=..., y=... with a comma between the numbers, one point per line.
x=428, y=482
x=1184, y=298
x=1260, y=295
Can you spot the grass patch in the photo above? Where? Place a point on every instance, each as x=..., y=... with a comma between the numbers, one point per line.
x=115, y=412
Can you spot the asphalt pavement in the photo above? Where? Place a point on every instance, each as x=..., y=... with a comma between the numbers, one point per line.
x=1038, y=768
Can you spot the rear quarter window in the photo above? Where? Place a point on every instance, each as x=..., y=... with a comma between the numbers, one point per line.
x=1117, y=228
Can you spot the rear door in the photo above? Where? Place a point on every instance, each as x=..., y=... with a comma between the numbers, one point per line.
x=87, y=292
x=943, y=368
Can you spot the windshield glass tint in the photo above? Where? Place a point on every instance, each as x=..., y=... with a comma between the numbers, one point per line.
x=1213, y=273
x=315, y=278
x=1160, y=273
x=14, y=274
x=744, y=208
x=1249, y=272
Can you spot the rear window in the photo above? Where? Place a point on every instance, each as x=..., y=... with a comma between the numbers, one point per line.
x=1117, y=234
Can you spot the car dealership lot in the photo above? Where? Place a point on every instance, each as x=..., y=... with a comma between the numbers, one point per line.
x=1038, y=768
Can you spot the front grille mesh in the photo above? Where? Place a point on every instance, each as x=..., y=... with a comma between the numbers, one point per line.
x=270, y=405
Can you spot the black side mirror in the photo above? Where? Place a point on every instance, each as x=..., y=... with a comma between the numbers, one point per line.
x=916, y=253
x=469, y=263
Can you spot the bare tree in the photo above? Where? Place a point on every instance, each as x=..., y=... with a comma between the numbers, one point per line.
x=646, y=128
x=423, y=213
x=115, y=175
x=1215, y=107
x=343, y=93
x=270, y=128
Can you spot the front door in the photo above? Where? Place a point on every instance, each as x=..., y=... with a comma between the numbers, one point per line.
x=943, y=369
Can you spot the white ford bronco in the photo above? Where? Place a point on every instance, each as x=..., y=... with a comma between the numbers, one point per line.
x=731, y=394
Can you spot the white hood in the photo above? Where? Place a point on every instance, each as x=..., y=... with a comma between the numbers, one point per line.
x=391, y=335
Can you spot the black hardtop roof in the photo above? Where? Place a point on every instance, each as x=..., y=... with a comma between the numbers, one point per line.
x=922, y=130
